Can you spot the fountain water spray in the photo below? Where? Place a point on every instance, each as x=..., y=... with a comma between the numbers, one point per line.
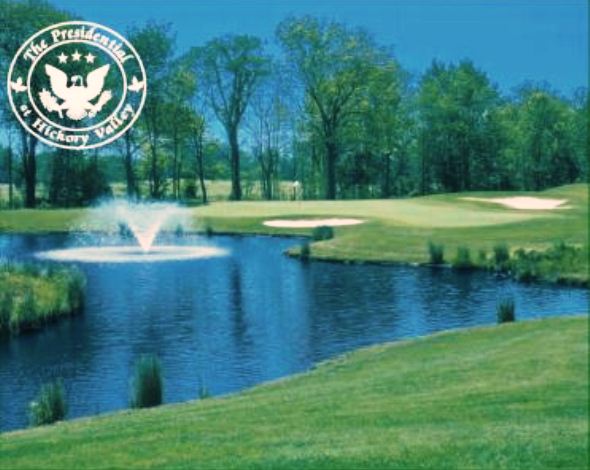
x=144, y=222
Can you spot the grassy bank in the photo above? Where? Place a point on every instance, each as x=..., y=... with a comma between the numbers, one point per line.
x=34, y=295
x=512, y=396
x=394, y=231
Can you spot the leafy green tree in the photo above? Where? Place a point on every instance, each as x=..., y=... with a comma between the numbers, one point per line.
x=547, y=149
x=383, y=125
x=229, y=70
x=19, y=21
x=457, y=141
x=155, y=44
x=332, y=62
x=177, y=126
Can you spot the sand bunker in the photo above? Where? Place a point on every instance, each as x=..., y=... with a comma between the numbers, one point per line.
x=310, y=223
x=523, y=202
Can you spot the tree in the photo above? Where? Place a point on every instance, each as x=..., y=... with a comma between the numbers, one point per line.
x=381, y=120
x=229, y=70
x=181, y=89
x=9, y=157
x=155, y=45
x=457, y=142
x=19, y=21
x=332, y=62
x=197, y=127
x=547, y=145
x=267, y=123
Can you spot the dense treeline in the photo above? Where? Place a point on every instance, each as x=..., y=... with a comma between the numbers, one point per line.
x=333, y=110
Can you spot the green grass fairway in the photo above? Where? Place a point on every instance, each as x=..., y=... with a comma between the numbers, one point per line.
x=396, y=230
x=513, y=396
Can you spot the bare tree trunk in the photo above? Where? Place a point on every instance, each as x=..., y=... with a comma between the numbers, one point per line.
x=29, y=168
x=236, y=188
x=202, y=176
x=386, y=188
x=9, y=165
x=331, y=157
x=129, y=173
x=175, y=172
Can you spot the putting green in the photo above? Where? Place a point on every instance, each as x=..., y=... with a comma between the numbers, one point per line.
x=419, y=212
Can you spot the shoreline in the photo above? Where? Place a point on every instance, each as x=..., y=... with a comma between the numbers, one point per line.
x=396, y=343
x=292, y=252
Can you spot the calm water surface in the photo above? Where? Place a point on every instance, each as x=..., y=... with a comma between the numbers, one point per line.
x=231, y=323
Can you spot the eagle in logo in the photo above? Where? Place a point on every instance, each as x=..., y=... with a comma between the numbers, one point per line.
x=77, y=98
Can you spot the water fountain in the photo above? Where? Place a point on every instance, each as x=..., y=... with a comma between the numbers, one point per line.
x=142, y=223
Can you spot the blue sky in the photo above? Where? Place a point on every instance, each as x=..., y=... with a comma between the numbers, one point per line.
x=512, y=40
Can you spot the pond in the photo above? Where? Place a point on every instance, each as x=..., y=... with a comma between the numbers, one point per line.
x=228, y=323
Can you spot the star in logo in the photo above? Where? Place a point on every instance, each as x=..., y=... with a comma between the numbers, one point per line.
x=62, y=58
x=76, y=56
x=89, y=58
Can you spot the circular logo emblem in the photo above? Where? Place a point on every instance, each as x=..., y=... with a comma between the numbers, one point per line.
x=77, y=85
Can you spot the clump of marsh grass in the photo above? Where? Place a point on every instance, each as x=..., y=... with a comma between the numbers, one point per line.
x=203, y=392
x=148, y=386
x=6, y=306
x=436, y=253
x=505, y=311
x=463, y=259
x=501, y=257
x=323, y=232
x=50, y=405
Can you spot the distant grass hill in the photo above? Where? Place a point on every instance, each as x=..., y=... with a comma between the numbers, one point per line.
x=510, y=396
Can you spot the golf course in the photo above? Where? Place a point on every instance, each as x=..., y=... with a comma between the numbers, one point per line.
x=294, y=235
x=507, y=396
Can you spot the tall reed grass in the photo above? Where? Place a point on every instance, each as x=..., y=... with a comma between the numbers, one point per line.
x=32, y=295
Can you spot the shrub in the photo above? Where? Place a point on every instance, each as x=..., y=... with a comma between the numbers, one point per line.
x=179, y=231
x=147, y=383
x=559, y=263
x=482, y=257
x=209, y=232
x=505, y=311
x=305, y=251
x=436, y=252
x=501, y=256
x=323, y=232
x=50, y=405
x=463, y=259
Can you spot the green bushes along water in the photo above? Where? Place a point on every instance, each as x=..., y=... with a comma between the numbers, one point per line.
x=33, y=295
x=560, y=263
